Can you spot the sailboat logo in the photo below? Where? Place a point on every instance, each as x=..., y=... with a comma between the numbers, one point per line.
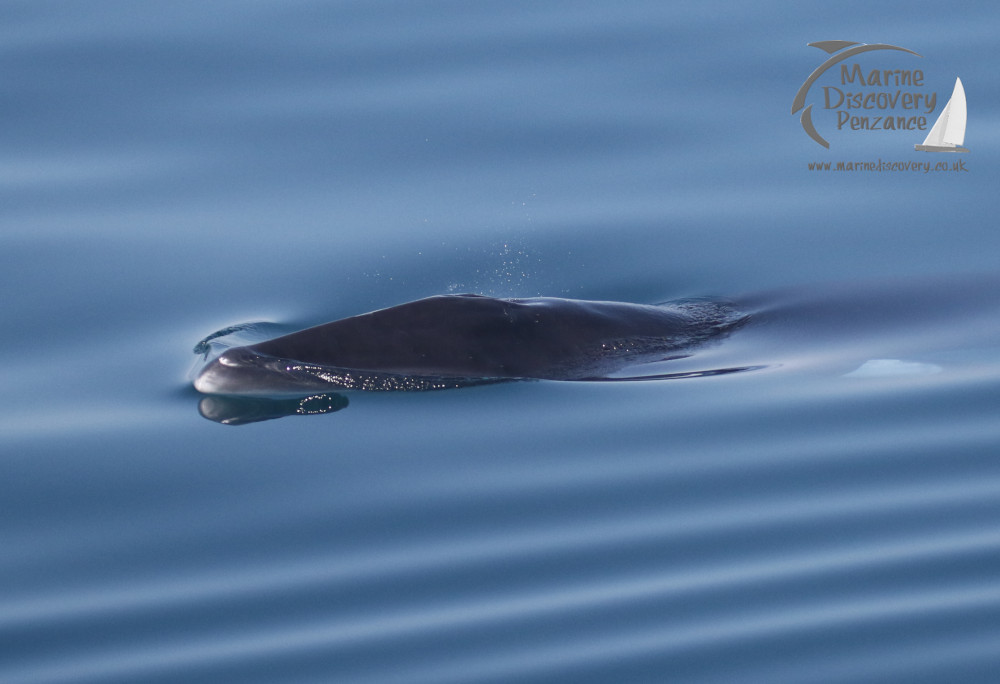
x=948, y=132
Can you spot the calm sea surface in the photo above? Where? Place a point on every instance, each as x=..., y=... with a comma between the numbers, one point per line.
x=168, y=169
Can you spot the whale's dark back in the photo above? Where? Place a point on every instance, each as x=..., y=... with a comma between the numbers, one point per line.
x=477, y=336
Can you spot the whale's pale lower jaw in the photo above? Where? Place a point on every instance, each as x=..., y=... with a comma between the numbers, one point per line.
x=243, y=372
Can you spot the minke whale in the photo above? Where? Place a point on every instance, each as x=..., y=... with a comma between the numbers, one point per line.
x=451, y=341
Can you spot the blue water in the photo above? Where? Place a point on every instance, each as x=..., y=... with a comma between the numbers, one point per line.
x=168, y=169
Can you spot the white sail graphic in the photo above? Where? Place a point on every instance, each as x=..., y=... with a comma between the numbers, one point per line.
x=948, y=132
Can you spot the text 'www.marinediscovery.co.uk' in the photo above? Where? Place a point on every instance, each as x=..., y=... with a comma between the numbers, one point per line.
x=887, y=166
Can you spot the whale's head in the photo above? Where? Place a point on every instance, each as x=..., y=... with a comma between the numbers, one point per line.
x=243, y=371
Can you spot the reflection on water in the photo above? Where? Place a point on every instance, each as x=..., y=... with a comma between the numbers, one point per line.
x=243, y=410
x=232, y=410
